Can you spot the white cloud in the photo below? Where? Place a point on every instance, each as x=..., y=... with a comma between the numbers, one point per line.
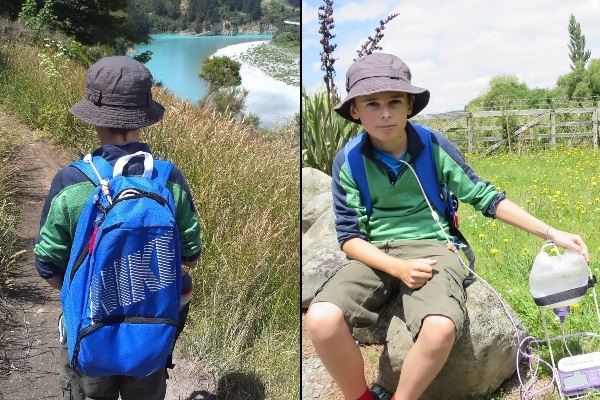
x=357, y=11
x=454, y=48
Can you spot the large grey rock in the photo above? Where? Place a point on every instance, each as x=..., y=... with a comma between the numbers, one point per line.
x=316, y=272
x=480, y=361
x=314, y=209
x=324, y=226
x=319, y=260
x=327, y=244
x=314, y=182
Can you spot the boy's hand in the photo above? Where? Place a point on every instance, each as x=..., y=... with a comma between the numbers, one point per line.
x=568, y=240
x=414, y=272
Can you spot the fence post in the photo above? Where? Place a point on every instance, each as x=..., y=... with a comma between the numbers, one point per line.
x=552, y=128
x=595, y=116
x=470, y=132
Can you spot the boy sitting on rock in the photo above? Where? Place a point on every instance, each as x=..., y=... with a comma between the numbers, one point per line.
x=398, y=246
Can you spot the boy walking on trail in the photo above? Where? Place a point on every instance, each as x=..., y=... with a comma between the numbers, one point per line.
x=118, y=102
x=398, y=246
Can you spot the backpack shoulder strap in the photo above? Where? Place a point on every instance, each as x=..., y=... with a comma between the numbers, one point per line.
x=427, y=172
x=164, y=169
x=99, y=164
x=356, y=166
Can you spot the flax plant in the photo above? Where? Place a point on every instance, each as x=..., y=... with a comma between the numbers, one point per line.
x=372, y=43
x=324, y=133
x=322, y=137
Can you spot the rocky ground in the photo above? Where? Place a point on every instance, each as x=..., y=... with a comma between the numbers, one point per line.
x=29, y=347
x=317, y=384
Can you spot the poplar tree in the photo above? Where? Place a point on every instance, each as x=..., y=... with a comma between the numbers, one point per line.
x=579, y=56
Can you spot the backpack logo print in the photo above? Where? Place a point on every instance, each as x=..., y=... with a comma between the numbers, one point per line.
x=125, y=282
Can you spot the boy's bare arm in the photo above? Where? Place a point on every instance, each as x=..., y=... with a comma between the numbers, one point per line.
x=56, y=282
x=512, y=214
x=413, y=272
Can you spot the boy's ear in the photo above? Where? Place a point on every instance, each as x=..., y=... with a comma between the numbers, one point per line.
x=354, y=111
x=412, y=102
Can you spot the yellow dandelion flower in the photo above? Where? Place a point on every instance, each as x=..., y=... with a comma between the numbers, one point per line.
x=504, y=240
x=575, y=306
x=494, y=251
x=553, y=250
x=481, y=236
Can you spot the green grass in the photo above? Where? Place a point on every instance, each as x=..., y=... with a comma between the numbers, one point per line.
x=244, y=320
x=9, y=217
x=9, y=210
x=560, y=187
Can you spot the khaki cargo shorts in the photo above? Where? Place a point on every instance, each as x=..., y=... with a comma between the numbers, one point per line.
x=360, y=291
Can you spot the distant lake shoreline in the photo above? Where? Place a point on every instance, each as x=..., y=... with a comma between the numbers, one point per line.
x=178, y=59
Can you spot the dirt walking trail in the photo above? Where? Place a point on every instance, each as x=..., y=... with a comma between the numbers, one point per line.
x=29, y=347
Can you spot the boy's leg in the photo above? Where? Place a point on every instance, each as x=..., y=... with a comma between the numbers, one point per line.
x=336, y=348
x=434, y=314
x=352, y=296
x=151, y=387
x=427, y=357
x=76, y=387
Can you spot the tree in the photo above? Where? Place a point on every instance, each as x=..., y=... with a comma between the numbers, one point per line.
x=573, y=85
x=579, y=56
x=503, y=92
x=90, y=22
x=221, y=72
x=10, y=9
x=594, y=73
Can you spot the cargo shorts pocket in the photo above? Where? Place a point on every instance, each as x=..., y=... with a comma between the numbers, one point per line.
x=455, y=288
x=69, y=391
x=458, y=309
x=331, y=275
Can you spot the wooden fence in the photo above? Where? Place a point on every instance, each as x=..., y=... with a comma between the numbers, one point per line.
x=485, y=131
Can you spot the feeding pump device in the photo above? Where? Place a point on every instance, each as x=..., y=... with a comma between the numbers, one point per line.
x=558, y=282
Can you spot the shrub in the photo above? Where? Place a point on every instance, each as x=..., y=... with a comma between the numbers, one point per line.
x=221, y=72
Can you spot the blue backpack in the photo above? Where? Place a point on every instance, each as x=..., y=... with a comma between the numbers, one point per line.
x=438, y=194
x=122, y=286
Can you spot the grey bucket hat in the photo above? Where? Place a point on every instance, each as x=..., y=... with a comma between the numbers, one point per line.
x=380, y=72
x=118, y=94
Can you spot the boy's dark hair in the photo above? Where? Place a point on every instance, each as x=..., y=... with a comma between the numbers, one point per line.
x=124, y=132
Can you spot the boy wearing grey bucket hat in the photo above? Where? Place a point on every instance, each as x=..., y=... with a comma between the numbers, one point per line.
x=397, y=247
x=118, y=102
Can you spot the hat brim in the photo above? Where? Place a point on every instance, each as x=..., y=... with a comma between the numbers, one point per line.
x=118, y=117
x=370, y=86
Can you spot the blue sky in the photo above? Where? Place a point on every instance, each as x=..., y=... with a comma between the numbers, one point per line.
x=453, y=48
